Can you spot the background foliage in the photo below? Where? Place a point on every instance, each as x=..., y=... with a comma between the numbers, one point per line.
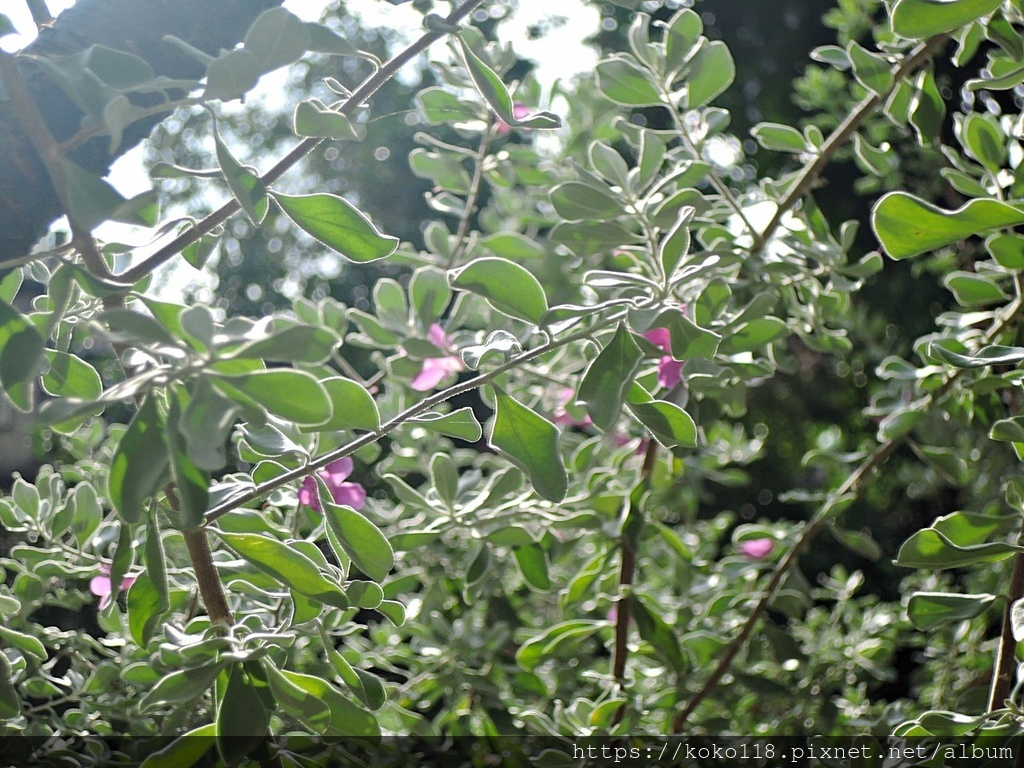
x=680, y=398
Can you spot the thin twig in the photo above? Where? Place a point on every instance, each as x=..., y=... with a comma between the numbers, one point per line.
x=48, y=150
x=462, y=233
x=358, y=98
x=842, y=134
x=409, y=413
x=821, y=519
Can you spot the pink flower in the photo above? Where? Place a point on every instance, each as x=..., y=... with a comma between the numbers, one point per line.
x=519, y=111
x=103, y=589
x=334, y=474
x=756, y=549
x=563, y=416
x=670, y=370
x=435, y=369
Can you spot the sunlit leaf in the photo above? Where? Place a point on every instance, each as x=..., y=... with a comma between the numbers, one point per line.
x=338, y=224
x=928, y=610
x=531, y=442
x=508, y=287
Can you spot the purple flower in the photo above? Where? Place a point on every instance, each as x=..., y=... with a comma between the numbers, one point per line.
x=334, y=474
x=563, y=416
x=756, y=549
x=519, y=111
x=670, y=370
x=103, y=589
x=435, y=369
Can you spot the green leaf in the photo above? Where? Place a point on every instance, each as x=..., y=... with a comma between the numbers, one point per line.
x=508, y=287
x=541, y=647
x=277, y=38
x=752, y=335
x=513, y=245
x=991, y=355
x=242, y=718
x=496, y=95
x=244, y=184
x=7, y=28
x=286, y=564
x=604, y=386
x=141, y=462
x=148, y=603
x=586, y=238
x=608, y=163
x=367, y=687
x=676, y=243
x=232, y=74
x=670, y=424
x=778, y=137
x=878, y=162
x=983, y=140
x=956, y=540
x=686, y=339
x=499, y=347
x=625, y=82
x=347, y=718
x=974, y=290
x=192, y=483
x=29, y=645
x=292, y=395
x=293, y=344
x=338, y=224
x=181, y=685
x=70, y=376
x=576, y=201
x=21, y=353
x=304, y=706
x=927, y=108
x=1008, y=430
x=10, y=702
x=711, y=72
x=533, y=564
x=917, y=19
x=429, y=294
x=354, y=407
x=93, y=200
x=870, y=69
x=656, y=631
x=908, y=226
x=530, y=442
x=1007, y=250
x=858, y=542
x=313, y=118
x=185, y=751
x=927, y=610
x=461, y=423
x=682, y=32
x=361, y=539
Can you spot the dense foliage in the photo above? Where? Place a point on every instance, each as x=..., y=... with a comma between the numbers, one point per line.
x=511, y=482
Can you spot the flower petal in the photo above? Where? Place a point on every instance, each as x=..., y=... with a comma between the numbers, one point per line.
x=308, y=494
x=670, y=372
x=756, y=549
x=660, y=338
x=350, y=494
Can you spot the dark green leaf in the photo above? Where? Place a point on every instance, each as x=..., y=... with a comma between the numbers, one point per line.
x=1007, y=250
x=296, y=701
x=185, y=751
x=192, y=484
x=180, y=685
x=242, y=718
x=293, y=344
x=604, y=386
x=531, y=442
x=429, y=294
x=540, y=648
x=778, y=137
x=141, y=463
x=347, y=718
x=21, y=353
x=656, y=631
x=508, y=287
x=533, y=564
x=870, y=69
x=148, y=597
x=245, y=185
x=928, y=610
x=338, y=224
x=670, y=424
